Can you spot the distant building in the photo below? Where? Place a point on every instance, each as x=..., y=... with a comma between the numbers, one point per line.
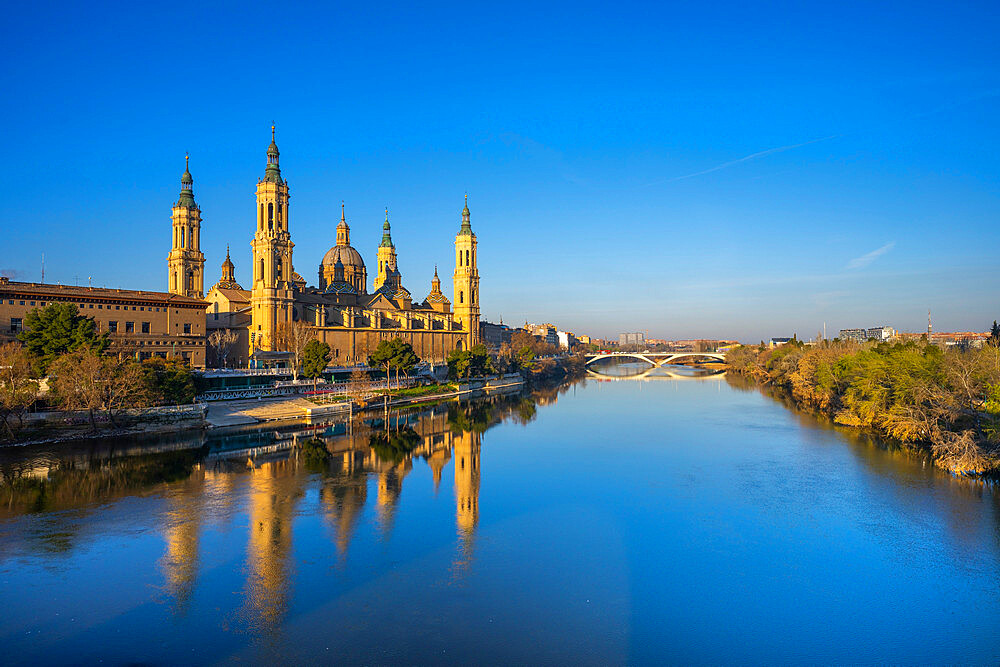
x=775, y=342
x=566, y=339
x=880, y=333
x=494, y=335
x=637, y=338
x=547, y=332
x=859, y=335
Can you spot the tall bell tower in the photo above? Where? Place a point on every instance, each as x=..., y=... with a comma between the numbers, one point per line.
x=271, y=294
x=386, y=254
x=466, y=280
x=186, y=262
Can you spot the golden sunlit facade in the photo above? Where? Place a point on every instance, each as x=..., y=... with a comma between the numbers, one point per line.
x=340, y=310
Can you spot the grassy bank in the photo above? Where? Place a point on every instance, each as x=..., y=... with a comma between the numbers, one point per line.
x=944, y=401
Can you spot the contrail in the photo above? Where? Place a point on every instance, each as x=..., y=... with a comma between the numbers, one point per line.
x=745, y=158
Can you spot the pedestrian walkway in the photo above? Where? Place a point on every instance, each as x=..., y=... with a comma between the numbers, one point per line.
x=251, y=411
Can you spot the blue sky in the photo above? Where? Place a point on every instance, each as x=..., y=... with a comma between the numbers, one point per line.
x=690, y=169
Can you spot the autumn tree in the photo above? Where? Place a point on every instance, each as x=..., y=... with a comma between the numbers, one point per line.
x=17, y=387
x=84, y=380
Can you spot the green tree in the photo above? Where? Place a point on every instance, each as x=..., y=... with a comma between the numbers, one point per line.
x=469, y=363
x=168, y=382
x=394, y=354
x=315, y=357
x=56, y=329
x=994, y=338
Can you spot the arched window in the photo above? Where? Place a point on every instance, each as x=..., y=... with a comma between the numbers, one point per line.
x=467, y=258
x=280, y=218
x=461, y=297
x=260, y=270
x=182, y=237
x=260, y=222
x=270, y=215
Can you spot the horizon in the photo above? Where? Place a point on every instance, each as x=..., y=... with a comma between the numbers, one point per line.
x=691, y=172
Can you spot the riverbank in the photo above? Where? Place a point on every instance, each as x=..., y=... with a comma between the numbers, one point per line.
x=55, y=427
x=942, y=402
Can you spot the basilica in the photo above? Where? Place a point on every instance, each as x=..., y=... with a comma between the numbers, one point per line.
x=340, y=310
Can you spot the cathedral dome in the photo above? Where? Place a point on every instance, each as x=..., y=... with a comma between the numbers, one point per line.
x=345, y=254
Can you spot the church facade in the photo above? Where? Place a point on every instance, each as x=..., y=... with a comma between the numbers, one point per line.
x=340, y=310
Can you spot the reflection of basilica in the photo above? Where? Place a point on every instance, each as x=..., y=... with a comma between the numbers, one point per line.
x=353, y=456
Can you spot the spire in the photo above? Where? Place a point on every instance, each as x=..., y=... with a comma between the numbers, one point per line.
x=186, y=198
x=228, y=269
x=386, y=237
x=466, y=224
x=436, y=282
x=343, y=231
x=272, y=173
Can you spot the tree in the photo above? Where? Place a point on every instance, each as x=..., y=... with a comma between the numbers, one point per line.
x=17, y=388
x=220, y=344
x=56, y=329
x=394, y=354
x=315, y=357
x=168, y=382
x=86, y=381
x=469, y=363
x=358, y=383
x=293, y=337
x=994, y=338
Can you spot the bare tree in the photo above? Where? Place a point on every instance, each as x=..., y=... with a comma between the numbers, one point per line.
x=293, y=337
x=86, y=381
x=220, y=344
x=17, y=388
x=358, y=384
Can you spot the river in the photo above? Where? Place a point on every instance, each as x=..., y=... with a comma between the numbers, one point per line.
x=669, y=519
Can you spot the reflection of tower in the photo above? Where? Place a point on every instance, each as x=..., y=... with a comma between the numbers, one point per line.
x=437, y=461
x=390, y=486
x=273, y=492
x=467, y=482
x=180, y=562
x=344, y=499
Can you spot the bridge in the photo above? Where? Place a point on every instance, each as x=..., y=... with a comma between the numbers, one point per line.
x=655, y=359
x=657, y=373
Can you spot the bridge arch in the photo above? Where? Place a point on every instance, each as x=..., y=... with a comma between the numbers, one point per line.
x=654, y=359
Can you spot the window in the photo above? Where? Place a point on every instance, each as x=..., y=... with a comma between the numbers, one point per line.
x=22, y=303
x=15, y=324
x=145, y=327
x=113, y=326
x=182, y=237
x=90, y=305
x=32, y=303
x=130, y=327
x=461, y=297
x=466, y=257
x=99, y=307
x=117, y=307
x=187, y=327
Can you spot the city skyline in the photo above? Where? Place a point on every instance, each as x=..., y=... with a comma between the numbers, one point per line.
x=623, y=176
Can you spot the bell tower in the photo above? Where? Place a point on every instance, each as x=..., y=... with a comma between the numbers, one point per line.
x=466, y=280
x=271, y=294
x=386, y=254
x=186, y=262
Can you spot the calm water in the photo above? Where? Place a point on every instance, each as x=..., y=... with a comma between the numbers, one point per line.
x=668, y=520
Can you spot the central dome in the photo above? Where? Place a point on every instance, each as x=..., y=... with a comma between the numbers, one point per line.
x=346, y=254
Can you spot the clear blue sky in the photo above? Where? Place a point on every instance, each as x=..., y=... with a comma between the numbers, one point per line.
x=689, y=169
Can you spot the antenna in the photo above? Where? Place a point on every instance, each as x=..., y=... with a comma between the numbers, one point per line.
x=929, y=324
